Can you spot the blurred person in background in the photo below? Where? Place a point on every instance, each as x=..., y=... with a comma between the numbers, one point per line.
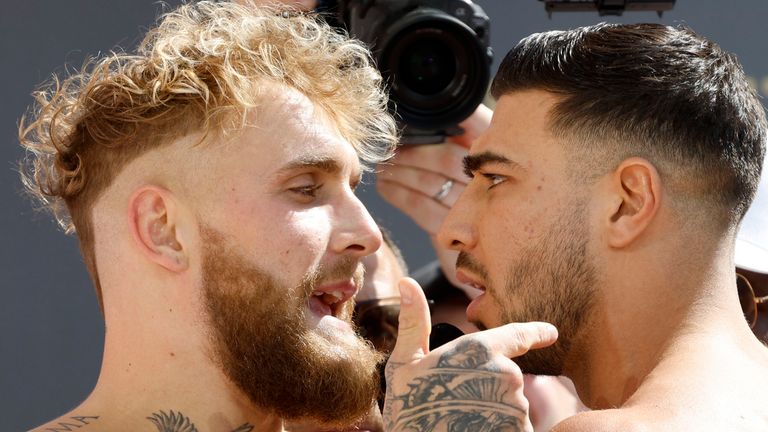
x=751, y=260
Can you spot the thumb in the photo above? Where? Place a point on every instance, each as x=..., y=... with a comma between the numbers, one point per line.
x=414, y=323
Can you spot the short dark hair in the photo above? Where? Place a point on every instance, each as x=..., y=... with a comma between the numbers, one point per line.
x=659, y=92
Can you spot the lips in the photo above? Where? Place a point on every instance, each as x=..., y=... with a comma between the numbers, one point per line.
x=474, y=308
x=467, y=278
x=329, y=299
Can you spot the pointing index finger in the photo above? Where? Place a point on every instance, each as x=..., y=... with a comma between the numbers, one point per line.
x=516, y=339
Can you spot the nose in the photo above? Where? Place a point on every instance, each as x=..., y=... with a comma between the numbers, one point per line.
x=457, y=231
x=356, y=234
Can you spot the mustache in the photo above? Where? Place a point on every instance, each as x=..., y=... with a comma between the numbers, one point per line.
x=465, y=260
x=342, y=269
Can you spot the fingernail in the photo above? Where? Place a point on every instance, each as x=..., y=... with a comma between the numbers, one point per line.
x=405, y=293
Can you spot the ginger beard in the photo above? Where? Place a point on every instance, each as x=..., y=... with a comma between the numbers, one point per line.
x=263, y=343
x=554, y=281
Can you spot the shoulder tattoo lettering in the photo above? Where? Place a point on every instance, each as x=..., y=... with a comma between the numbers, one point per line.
x=463, y=392
x=71, y=424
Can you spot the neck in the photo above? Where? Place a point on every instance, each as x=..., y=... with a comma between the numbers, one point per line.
x=647, y=318
x=160, y=369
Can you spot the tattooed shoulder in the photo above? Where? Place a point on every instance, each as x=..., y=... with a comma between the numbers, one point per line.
x=67, y=424
x=178, y=422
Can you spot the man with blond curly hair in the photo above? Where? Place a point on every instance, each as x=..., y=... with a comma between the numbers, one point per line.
x=210, y=180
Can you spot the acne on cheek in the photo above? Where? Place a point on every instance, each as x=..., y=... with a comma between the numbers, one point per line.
x=530, y=231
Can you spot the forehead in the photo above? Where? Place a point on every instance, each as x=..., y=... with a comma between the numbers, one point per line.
x=520, y=126
x=285, y=128
x=289, y=124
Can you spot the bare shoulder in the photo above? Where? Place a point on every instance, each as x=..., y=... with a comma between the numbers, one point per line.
x=70, y=423
x=609, y=420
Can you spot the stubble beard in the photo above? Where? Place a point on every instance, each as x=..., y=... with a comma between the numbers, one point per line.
x=555, y=282
x=263, y=344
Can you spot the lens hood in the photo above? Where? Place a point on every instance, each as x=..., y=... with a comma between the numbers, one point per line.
x=436, y=66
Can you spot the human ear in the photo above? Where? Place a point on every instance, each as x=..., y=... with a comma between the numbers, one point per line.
x=153, y=219
x=636, y=195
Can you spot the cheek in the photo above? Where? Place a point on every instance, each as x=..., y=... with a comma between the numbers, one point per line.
x=300, y=239
x=286, y=240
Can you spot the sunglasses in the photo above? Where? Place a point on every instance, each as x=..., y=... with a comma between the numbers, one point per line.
x=377, y=321
x=748, y=299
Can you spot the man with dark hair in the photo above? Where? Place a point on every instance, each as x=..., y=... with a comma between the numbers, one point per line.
x=605, y=199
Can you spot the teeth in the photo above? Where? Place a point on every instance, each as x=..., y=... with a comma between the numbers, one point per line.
x=329, y=298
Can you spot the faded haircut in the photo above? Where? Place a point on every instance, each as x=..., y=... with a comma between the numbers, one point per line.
x=198, y=70
x=653, y=91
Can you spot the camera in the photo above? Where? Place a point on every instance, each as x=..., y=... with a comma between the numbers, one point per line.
x=434, y=55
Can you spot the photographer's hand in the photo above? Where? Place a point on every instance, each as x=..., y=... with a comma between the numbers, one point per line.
x=467, y=384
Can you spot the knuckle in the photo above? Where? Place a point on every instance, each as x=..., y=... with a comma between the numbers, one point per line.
x=413, y=199
x=424, y=178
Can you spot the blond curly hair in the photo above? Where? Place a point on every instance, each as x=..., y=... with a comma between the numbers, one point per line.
x=198, y=70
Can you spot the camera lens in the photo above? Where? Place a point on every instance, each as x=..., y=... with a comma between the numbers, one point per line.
x=428, y=66
x=436, y=67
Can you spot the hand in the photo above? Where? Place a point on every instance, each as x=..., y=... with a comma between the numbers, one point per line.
x=467, y=384
x=413, y=179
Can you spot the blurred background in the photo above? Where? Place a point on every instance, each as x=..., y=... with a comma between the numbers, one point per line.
x=51, y=330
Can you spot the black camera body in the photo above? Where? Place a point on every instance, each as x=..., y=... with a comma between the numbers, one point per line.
x=434, y=55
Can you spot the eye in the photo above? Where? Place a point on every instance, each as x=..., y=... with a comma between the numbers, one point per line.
x=494, y=179
x=309, y=191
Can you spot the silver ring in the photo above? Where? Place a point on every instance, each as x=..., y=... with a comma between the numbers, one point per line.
x=445, y=189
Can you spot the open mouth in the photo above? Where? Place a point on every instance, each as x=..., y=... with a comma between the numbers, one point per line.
x=327, y=303
x=469, y=280
x=330, y=299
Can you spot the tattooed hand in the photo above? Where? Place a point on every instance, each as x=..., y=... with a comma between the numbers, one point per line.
x=469, y=384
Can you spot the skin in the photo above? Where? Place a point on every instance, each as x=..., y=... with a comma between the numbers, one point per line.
x=382, y=271
x=408, y=181
x=261, y=185
x=647, y=356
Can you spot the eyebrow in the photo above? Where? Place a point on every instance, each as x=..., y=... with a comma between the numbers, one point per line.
x=323, y=163
x=476, y=162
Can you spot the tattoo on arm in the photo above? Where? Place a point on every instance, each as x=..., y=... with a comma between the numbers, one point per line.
x=178, y=422
x=73, y=423
x=463, y=392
